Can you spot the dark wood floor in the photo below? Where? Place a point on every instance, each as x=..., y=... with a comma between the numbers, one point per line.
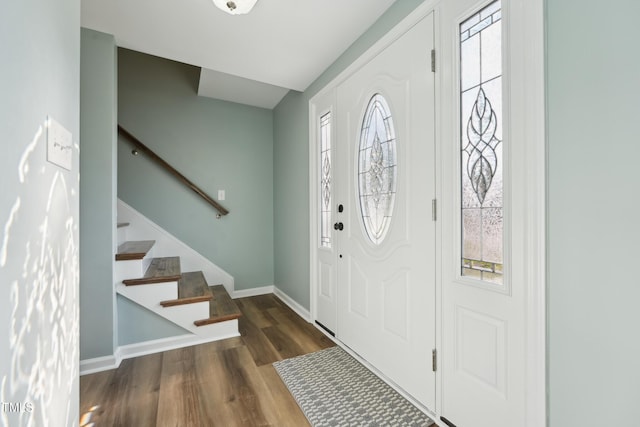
x=225, y=383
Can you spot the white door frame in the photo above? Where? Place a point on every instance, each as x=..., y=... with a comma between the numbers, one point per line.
x=528, y=64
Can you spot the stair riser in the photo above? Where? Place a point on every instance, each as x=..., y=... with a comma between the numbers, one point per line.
x=151, y=295
x=227, y=328
x=132, y=268
x=122, y=235
x=184, y=314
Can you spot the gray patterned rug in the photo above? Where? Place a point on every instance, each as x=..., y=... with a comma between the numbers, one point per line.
x=334, y=389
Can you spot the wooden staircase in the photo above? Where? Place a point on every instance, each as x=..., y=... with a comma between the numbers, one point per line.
x=185, y=298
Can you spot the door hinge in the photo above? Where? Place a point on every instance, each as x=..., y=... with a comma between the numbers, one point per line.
x=434, y=360
x=434, y=209
x=433, y=60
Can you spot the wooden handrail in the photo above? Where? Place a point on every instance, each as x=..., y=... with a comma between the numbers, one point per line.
x=153, y=156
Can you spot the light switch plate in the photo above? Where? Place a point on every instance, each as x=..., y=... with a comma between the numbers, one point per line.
x=221, y=195
x=59, y=144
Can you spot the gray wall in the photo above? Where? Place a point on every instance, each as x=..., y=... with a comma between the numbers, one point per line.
x=136, y=324
x=593, y=83
x=217, y=145
x=291, y=163
x=39, y=213
x=98, y=186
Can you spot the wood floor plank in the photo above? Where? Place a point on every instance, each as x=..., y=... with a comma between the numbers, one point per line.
x=178, y=403
x=241, y=374
x=287, y=411
x=222, y=406
x=264, y=302
x=304, y=334
x=93, y=390
x=134, y=385
x=284, y=345
x=228, y=383
x=308, y=328
x=260, y=400
x=260, y=318
x=145, y=391
x=258, y=344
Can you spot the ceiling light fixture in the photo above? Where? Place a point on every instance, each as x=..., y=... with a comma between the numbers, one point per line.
x=235, y=7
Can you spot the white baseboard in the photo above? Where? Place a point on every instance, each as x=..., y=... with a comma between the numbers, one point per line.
x=98, y=364
x=165, y=344
x=294, y=305
x=90, y=366
x=265, y=290
x=244, y=293
x=128, y=351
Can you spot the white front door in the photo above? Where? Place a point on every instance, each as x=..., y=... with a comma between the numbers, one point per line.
x=385, y=180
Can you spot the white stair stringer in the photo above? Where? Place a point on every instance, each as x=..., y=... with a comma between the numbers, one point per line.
x=149, y=296
x=142, y=228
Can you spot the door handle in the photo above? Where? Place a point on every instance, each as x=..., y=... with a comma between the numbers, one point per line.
x=338, y=226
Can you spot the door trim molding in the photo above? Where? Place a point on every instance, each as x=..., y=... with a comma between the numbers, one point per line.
x=533, y=62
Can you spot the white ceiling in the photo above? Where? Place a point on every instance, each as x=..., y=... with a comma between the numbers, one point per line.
x=285, y=44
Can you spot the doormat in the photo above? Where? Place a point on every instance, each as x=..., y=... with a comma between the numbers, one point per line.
x=334, y=389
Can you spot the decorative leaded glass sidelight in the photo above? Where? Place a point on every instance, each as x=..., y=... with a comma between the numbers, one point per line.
x=325, y=180
x=481, y=137
x=377, y=169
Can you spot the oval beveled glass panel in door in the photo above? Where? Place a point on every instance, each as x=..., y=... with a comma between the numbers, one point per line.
x=377, y=169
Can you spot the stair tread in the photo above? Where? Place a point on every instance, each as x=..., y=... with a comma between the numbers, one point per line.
x=221, y=307
x=136, y=249
x=161, y=270
x=192, y=288
x=193, y=284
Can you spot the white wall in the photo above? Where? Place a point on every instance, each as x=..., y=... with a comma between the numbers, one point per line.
x=40, y=51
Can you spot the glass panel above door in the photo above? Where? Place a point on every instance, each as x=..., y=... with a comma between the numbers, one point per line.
x=482, y=219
